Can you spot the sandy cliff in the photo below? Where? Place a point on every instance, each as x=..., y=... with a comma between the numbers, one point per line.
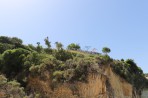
x=104, y=85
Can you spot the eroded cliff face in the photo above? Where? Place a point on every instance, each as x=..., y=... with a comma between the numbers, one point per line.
x=120, y=88
x=104, y=85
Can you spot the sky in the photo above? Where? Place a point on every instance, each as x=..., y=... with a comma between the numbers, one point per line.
x=121, y=25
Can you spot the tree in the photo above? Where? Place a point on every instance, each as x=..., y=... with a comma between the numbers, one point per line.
x=62, y=55
x=5, y=39
x=59, y=45
x=47, y=42
x=39, y=47
x=9, y=40
x=106, y=50
x=133, y=67
x=31, y=46
x=14, y=61
x=5, y=46
x=73, y=46
x=16, y=40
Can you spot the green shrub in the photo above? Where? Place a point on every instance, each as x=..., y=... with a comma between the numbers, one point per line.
x=34, y=58
x=34, y=70
x=32, y=47
x=69, y=74
x=3, y=80
x=4, y=47
x=62, y=55
x=130, y=72
x=76, y=69
x=73, y=46
x=14, y=61
x=48, y=50
x=11, y=89
x=105, y=59
x=58, y=75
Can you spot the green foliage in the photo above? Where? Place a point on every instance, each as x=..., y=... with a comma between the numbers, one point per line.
x=3, y=80
x=59, y=45
x=4, y=47
x=62, y=55
x=18, y=61
x=11, y=89
x=80, y=55
x=77, y=69
x=37, y=96
x=58, y=75
x=34, y=58
x=32, y=47
x=105, y=59
x=9, y=40
x=47, y=43
x=39, y=48
x=47, y=50
x=73, y=46
x=1, y=62
x=11, y=43
x=106, y=50
x=4, y=39
x=48, y=63
x=40, y=63
x=133, y=67
x=14, y=61
x=16, y=40
x=130, y=72
x=69, y=74
x=51, y=64
x=34, y=70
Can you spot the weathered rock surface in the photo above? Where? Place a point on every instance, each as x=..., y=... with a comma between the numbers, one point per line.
x=104, y=85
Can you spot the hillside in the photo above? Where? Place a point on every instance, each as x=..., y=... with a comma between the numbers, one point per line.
x=29, y=71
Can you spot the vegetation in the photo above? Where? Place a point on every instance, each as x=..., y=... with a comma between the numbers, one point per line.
x=19, y=63
x=10, y=89
x=131, y=72
x=73, y=46
x=47, y=42
x=106, y=50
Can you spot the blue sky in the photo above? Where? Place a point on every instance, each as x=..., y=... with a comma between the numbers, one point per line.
x=121, y=25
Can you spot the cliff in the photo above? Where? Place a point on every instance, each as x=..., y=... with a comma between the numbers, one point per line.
x=102, y=85
x=27, y=71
